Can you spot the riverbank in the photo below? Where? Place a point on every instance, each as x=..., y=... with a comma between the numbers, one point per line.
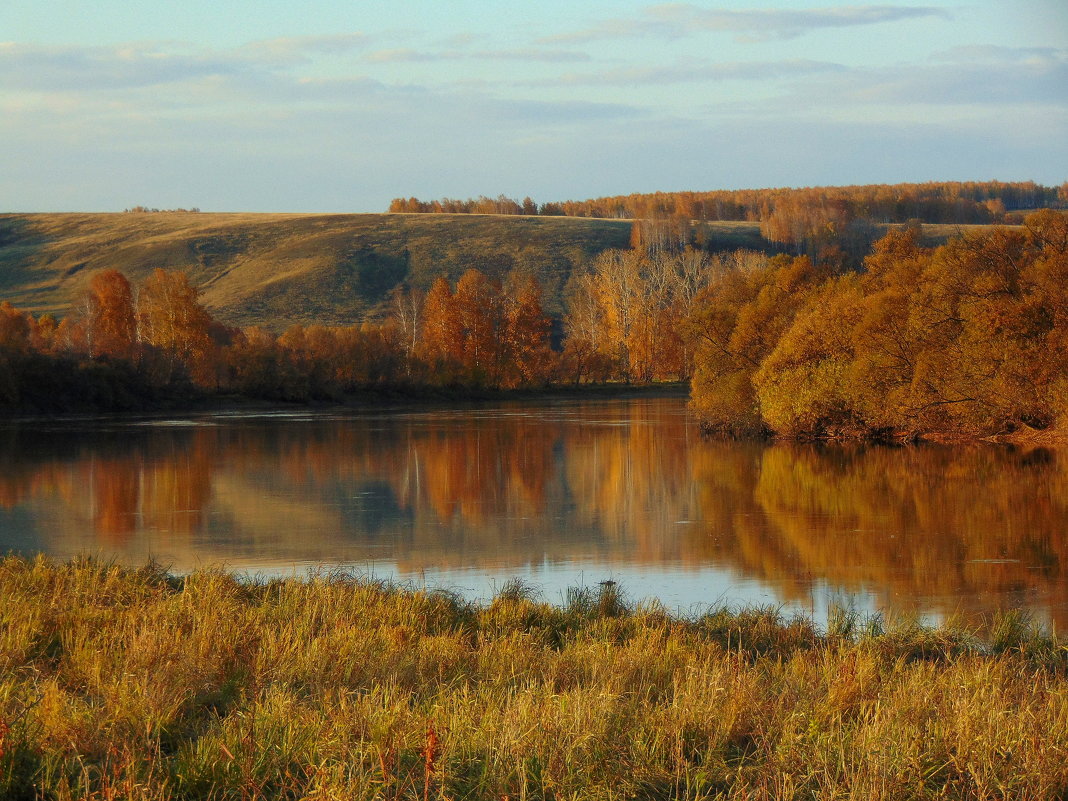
x=118, y=683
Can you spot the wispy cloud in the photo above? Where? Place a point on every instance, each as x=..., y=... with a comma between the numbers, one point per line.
x=72, y=68
x=411, y=55
x=698, y=73
x=531, y=54
x=999, y=54
x=405, y=55
x=68, y=91
x=288, y=48
x=1005, y=82
x=676, y=20
x=130, y=66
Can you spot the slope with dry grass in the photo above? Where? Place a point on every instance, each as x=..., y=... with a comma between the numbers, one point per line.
x=280, y=269
x=275, y=270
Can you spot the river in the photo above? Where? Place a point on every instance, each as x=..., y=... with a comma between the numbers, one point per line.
x=560, y=493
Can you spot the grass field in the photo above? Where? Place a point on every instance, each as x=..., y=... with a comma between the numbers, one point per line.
x=122, y=684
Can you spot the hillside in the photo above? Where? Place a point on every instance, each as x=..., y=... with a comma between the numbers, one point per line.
x=280, y=269
x=275, y=270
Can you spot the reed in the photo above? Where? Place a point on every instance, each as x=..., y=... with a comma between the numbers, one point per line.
x=136, y=684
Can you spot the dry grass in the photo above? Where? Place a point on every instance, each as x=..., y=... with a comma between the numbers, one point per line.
x=135, y=684
x=280, y=269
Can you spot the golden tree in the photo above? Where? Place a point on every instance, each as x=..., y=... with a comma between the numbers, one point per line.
x=480, y=310
x=110, y=326
x=529, y=355
x=441, y=341
x=171, y=320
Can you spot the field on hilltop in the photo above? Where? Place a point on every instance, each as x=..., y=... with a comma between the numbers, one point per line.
x=279, y=269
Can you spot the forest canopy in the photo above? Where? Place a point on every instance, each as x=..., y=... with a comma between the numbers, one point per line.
x=970, y=338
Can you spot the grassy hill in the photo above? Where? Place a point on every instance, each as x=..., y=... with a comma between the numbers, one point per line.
x=278, y=269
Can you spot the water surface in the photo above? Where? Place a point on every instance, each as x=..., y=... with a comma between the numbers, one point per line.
x=560, y=493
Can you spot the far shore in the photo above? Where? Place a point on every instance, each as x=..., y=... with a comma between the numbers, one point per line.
x=376, y=398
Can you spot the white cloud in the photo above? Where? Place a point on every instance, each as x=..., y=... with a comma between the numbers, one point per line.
x=402, y=55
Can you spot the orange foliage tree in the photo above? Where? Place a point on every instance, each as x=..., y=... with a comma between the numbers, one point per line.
x=441, y=343
x=481, y=312
x=735, y=324
x=483, y=335
x=14, y=330
x=110, y=327
x=527, y=339
x=626, y=312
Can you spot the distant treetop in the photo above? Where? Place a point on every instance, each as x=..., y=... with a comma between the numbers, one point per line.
x=147, y=210
x=976, y=202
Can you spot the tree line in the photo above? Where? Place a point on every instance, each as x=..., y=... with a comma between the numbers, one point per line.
x=799, y=221
x=621, y=323
x=153, y=210
x=480, y=205
x=122, y=346
x=951, y=202
x=970, y=337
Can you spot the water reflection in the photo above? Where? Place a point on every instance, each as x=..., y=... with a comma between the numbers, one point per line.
x=552, y=490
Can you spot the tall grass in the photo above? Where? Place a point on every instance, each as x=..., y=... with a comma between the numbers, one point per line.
x=134, y=684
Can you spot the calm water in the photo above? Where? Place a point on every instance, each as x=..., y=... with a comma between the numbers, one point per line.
x=560, y=493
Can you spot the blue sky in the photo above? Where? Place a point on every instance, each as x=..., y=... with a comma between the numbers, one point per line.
x=341, y=106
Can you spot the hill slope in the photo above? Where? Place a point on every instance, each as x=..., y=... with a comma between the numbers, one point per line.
x=275, y=270
x=279, y=269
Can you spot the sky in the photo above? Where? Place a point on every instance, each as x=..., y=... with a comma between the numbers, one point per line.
x=342, y=105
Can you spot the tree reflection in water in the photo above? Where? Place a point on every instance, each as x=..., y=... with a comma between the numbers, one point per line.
x=611, y=483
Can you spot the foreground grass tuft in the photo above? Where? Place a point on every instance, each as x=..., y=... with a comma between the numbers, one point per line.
x=134, y=684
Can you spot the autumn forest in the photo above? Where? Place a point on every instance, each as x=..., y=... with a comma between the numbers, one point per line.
x=834, y=335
